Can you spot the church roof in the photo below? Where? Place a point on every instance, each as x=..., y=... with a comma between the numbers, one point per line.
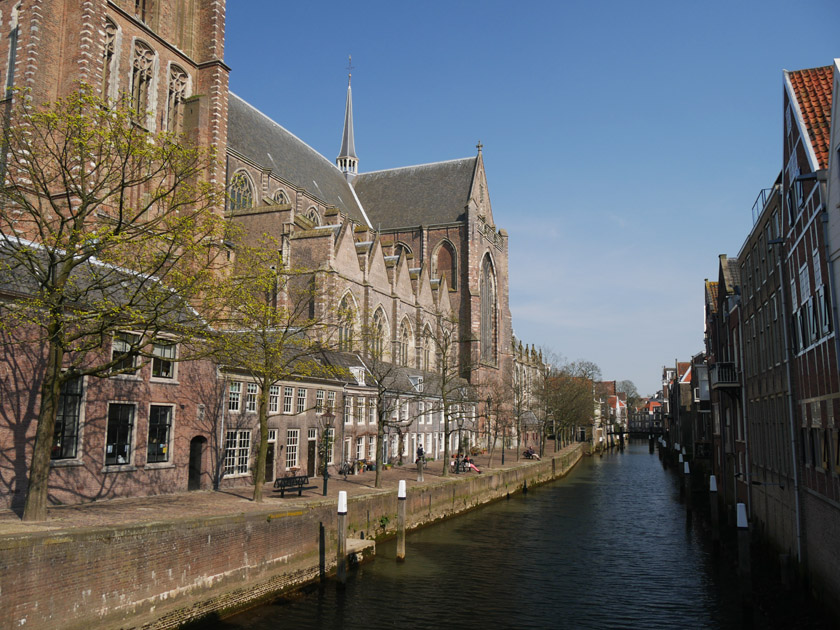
x=258, y=138
x=426, y=194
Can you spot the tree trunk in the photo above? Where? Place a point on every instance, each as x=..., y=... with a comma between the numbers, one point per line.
x=35, y=507
x=380, y=436
x=262, y=450
x=446, y=453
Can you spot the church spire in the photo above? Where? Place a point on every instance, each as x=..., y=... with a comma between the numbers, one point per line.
x=347, y=160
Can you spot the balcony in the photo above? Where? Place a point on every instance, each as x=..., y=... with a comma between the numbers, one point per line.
x=724, y=376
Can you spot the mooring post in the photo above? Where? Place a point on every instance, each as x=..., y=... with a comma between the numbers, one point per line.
x=713, y=510
x=651, y=445
x=342, y=539
x=687, y=484
x=420, y=462
x=401, y=496
x=744, y=568
x=681, y=469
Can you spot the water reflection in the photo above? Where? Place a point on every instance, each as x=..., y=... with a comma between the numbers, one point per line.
x=608, y=547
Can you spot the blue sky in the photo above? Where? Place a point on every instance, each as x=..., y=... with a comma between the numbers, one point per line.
x=625, y=142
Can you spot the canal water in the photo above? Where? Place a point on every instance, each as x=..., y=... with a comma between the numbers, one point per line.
x=606, y=547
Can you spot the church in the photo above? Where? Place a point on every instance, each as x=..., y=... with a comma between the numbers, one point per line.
x=401, y=247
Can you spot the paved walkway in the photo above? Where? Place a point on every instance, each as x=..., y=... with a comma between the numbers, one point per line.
x=133, y=511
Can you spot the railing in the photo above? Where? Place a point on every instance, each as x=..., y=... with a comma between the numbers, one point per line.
x=764, y=196
x=724, y=375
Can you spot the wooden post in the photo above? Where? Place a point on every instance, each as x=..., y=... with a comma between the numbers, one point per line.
x=420, y=469
x=713, y=509
x=342, y=539
x=681, y=469
x=651, y=445
x=687, y=483
x=401, y=496
x=744, y=568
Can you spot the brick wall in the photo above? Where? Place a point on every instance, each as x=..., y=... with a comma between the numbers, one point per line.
x=163, y=574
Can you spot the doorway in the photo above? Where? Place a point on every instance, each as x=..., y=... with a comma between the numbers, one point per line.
x=196, y=457
x=269, y=462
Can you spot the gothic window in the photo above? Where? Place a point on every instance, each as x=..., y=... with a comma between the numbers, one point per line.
x=280, y=198
x=177, y=93
x=377, y=346
x=489, y=314
x=142, y=72
x=401, y=248
x=108, y=52
x=347, y=317
x=446, y=264
x=403, y=343
x=312, y=215
x=140, y=9
x=427, y=349
x=241, y=191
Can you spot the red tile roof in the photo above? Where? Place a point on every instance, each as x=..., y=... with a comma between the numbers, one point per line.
x=813, y=95
x=712, y=295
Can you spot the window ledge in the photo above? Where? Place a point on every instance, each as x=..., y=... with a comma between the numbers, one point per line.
x=159, y=465
x=126, y=377
x=119, y=468
x=64, y=463
x=163, y=381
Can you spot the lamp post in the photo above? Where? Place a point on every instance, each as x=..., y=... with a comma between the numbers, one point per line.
x=327, y=424
x=489, y=407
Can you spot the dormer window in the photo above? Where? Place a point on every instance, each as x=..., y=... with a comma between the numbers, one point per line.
x=358, y=374
x=416, y=383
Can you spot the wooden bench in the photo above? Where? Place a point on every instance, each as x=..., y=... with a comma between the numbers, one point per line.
x=290, y=483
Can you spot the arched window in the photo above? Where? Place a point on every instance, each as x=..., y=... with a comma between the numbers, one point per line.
x=280, y=197
x=108, y=55
x=427, y=342
x=142, y=73
x=378, y=332
x=176, y=95
x=241, y=191
x=312, y=215
x=401, y=248
x=403, y=344
x=346, y=324
x=445, y=263
x=487, y=290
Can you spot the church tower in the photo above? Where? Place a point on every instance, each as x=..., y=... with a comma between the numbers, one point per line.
x=347, y=160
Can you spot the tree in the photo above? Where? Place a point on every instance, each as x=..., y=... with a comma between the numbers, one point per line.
x=567, y=393
x=274, y=332
x=105, y=228
x=629, y=388
x=452, y=391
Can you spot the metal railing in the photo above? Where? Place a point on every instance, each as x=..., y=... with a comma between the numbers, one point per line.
x=724, y=375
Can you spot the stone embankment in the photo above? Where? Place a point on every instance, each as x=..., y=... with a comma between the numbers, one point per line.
x=81, y=571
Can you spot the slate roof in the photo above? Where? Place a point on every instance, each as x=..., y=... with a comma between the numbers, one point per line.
x=812, y=87
x=255, y=136
x=426, y=194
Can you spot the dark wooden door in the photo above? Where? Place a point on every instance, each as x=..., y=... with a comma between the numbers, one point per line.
x=196, y=455
x=269, y=462
x=310, y=459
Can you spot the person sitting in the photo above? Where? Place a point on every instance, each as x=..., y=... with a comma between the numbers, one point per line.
x=469, y=464
x=530, y=453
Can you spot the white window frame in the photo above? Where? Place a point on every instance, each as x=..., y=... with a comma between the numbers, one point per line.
x=251, y=392
x=301, y=399
x=288, y=395
x=274, y=399
x=234, y=396
x=237, y=452
x=292, y=443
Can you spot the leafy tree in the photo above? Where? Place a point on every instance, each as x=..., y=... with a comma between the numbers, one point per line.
x=104, y=228
x=274, y=332
x=567, y=393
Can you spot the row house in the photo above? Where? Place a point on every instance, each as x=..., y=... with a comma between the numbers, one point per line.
x=772, y=348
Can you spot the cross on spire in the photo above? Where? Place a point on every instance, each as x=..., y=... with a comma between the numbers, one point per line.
x=350, y=68
x=479, y=146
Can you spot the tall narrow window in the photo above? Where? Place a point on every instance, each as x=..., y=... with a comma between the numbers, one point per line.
x=404, y=343
x=292, y=438
x=488, y=312
x=108, y=53
x=273, y=399
x=118, y=438
x=346, y=318
x=378, y=335
x=160, y=425
x=251, y=398
x=140, y=10
x=287, y=399
x=234, y=395
x=241, y=191
x=66, y=433
x=446, y=264
x=142, y=72
x=124, y=352
x=301, y=400
x=176, y=94
x=163, y=361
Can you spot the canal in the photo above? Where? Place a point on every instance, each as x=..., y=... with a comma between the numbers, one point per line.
x=606, y=547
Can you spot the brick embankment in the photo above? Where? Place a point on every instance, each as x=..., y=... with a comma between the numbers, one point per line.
x=161, y=561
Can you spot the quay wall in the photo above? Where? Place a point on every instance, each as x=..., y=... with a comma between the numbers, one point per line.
x=164, y=574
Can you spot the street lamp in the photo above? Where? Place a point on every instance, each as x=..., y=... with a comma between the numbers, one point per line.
x=326, y=435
